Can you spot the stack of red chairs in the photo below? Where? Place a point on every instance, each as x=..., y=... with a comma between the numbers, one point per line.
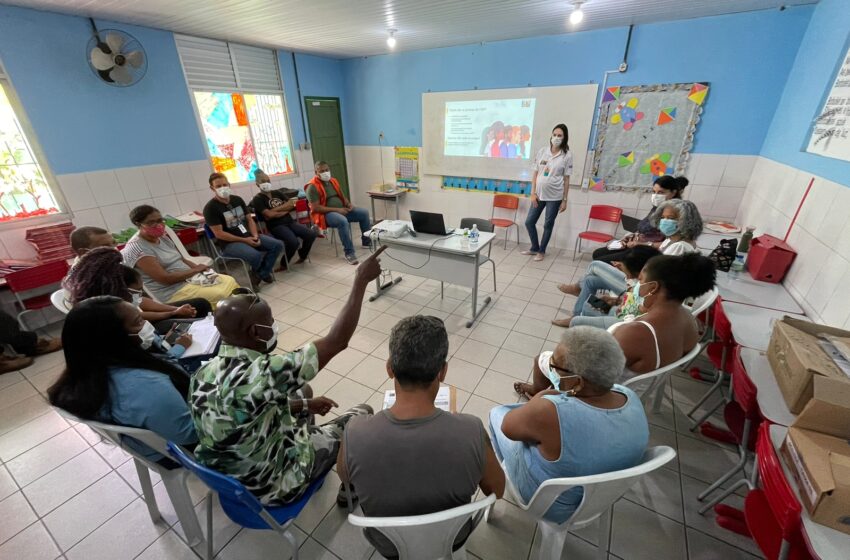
x=52, y=242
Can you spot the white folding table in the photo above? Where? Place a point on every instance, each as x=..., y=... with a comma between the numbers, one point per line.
x=824, y=541
x=745, y=289
x=752, y=326
x=436, y=257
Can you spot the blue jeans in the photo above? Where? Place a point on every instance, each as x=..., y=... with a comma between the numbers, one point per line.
x=551, y=207
x=600, y=276
x=340, y=222
x=261, y=259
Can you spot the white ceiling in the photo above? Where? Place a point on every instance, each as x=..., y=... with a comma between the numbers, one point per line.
x=350, y=28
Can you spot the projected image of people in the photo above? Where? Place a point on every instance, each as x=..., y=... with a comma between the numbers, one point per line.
x=494, y=128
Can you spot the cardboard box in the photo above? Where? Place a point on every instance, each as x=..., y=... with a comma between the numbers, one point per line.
x=817, y=451
x=796, y=358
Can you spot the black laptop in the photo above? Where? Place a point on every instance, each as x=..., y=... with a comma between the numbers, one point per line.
x=428, y=222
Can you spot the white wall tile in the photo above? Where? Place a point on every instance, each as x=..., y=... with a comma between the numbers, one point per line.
x=104, y=187
x=91, y=217
x=181, y=177
x=702, y=195
x=710, y=169
x=826, y=282
x=116, y=216
x=76, y=190
x=727, y=201
x=817, y=203
x=738, y=171
x=167, y=205
x=834, y=218
x=201, y=170
x=158, y=180
x=133, y=183
x=189, y=202
x=17, y=246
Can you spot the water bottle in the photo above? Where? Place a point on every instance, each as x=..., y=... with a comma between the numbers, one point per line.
x=740, y=262
x=474, y=234
x=464, y=241
x=737, y=265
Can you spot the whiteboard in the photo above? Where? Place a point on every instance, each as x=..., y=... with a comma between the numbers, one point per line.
x=830, y=135
x=571, y=105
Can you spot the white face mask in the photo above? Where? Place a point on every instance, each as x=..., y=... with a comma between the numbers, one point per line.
x=223, y=192
x=325, y=175
x=265, y=187
x=657, y=198
x=543, y=363
x=137, y=299
x=146, y=335
x=556, y=141
x=272, y=342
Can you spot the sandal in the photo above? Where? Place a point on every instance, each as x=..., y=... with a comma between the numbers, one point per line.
x=518, y=387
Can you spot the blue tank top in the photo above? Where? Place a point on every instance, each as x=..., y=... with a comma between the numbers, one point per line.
x=593, y=441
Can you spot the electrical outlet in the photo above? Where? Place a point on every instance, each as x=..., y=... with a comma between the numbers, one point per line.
x=381, y=135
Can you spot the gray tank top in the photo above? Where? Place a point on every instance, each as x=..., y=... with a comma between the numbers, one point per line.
x=414, y=467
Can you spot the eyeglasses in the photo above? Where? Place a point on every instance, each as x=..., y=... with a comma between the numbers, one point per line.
x=153, y=222
x=564, y=371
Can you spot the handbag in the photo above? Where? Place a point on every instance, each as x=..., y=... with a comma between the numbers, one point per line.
x=724, y=254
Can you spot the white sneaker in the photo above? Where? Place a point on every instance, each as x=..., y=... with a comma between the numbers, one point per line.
x=528, y=252
x=539, y=256
x=352, y=259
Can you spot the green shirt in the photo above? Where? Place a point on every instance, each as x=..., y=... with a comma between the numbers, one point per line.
x=333, y=200
x=240, y=405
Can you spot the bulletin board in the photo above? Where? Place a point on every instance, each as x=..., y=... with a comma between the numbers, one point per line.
x=830, y=134
x=407, y=168
x=645, y=132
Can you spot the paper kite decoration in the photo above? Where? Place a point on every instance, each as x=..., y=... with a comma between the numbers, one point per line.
x=626, y=159
x=611, y=94
x=657, y=166
x=627, y=114
x=698, y=93
x=596, y=184
x=666, y=116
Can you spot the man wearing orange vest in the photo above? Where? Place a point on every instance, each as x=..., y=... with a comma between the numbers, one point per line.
x=330, y=208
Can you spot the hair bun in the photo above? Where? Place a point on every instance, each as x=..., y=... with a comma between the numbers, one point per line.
x=682, y=182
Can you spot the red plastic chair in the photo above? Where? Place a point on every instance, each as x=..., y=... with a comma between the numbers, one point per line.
x=771, y=513
x=506, y=202
x=743, y=417
x=187, y=237
x=33, y=287
x=720, y=352
x=302, y=212
x=603, y=213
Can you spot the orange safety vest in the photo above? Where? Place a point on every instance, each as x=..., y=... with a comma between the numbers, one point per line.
x=317, y=217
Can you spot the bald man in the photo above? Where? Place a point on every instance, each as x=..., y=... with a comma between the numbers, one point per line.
x=245, y=400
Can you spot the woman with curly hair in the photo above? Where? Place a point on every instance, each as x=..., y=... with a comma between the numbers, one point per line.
x=679, y=221
x=100, y=272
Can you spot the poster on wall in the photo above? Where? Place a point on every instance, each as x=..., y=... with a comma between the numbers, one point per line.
x=407, y=168
x=830, y=135
x=645, y=132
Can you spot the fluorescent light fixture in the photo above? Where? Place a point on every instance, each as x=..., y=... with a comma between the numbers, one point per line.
x=391, y=39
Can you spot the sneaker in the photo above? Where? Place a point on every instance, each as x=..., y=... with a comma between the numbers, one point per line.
x=528, y=252
x=539, y=257
x=14, y=363
x=47, y=345
x=267, y=279
x=342, y=496
x=352, y=259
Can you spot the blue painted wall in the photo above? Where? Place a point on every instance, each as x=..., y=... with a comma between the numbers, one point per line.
x=746, y=57
x=83, y=124
x=318, y=77
x=824, y=44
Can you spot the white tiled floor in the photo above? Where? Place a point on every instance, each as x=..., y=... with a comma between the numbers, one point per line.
x=64, y=493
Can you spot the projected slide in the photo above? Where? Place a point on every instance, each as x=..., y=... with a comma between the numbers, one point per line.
x=494, y=128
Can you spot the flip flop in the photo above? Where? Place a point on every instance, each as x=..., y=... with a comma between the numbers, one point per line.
x=522, y=393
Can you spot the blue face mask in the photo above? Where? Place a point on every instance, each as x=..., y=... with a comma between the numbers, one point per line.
x=668, y=227
x=639, y=299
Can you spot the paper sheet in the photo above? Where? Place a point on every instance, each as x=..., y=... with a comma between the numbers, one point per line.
x=204, y=337
x=443, y=400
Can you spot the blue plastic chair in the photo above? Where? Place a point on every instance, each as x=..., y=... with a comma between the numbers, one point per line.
x=240, y=505
x=220, y=261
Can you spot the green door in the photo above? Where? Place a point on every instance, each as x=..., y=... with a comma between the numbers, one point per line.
x=325, y=122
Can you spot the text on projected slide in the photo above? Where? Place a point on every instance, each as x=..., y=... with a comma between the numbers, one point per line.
x=497, y=128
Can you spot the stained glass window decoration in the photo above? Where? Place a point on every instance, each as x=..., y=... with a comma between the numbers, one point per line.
x=24, y=191
x=245, y=132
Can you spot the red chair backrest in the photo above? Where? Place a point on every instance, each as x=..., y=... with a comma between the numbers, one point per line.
x=505, y=201
x=605, y=213
x=722, y=326
x=743, y=388
x=783, y=502
x=302, y=211
x=37, y=276
x=187, y=236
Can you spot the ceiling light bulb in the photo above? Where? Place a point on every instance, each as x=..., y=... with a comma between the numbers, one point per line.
x=577, y=15
x=391, y=39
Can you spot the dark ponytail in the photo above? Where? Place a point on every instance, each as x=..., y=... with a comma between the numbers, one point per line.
x=675, y=184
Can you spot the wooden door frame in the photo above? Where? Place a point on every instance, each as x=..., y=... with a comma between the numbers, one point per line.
x=307, y=99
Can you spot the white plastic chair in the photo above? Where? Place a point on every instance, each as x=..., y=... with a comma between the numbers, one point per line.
x=430, y=536
x=173, y=479
x=601, y=491
x=182, y=249
x=60, y=301
x=704, y=302
x=653, y=382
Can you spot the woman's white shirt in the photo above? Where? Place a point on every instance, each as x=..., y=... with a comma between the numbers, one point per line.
x=551, y=170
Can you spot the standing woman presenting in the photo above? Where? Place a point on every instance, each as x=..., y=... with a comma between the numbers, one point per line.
x=550, y=184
